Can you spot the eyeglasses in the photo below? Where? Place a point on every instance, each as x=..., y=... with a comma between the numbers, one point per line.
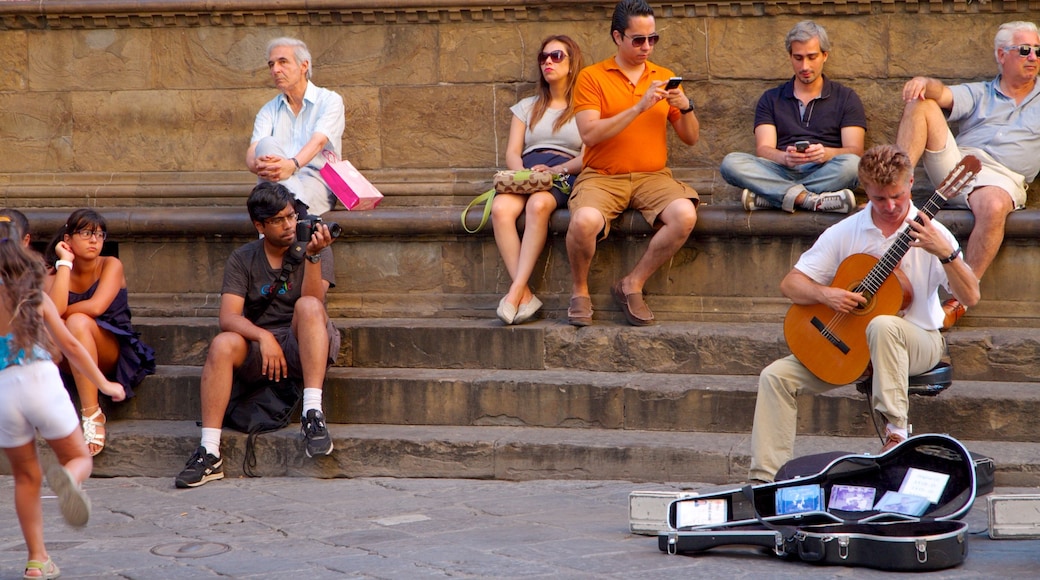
x=555, y=56
x=283, y=220
x=638, y=41
x=1024, y=50
x=86, y=234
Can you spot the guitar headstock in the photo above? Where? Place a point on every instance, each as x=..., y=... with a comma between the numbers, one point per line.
x=960, y=178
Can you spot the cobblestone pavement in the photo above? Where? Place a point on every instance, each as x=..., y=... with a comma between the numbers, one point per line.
x=144, y=528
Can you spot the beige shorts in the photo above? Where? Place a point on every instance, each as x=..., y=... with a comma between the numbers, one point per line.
x=939, y=164
x=648, y=193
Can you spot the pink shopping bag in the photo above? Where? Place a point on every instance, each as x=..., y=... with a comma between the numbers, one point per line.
x=348, y=184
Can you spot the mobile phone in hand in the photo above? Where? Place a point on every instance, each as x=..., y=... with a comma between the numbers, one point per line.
x=673, y=83
x=801, y=146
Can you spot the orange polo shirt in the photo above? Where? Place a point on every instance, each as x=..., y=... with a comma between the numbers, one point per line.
x=642, y=145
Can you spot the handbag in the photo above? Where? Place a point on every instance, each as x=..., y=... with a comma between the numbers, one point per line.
x=347, y=183
x=517, y=182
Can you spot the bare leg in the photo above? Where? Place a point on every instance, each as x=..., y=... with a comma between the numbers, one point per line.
x=226, y=353
x=28, y=478
x=536, y=229
x=505, y=210
x=677, y=221
x=103, y=347
x=991, y=206
x=923, y=126
x=586, y=224
x=310, y=327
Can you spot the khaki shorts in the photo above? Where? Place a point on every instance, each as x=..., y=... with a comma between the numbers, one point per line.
x=939, y=164
x=648, y=193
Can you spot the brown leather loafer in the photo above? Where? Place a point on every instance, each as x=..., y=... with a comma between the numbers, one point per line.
x=633, y=305
x=579, y=313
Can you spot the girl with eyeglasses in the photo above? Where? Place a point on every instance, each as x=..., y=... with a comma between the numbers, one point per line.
x=89, y=291
x=33, y=399
x=543, y=136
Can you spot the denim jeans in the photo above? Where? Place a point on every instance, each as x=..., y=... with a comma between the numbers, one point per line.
x=771, y=180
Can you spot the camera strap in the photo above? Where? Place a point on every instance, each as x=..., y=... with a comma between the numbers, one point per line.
x=290, y=260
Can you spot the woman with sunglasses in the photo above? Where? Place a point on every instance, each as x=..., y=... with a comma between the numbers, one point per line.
x=543, y=136
x=89, y=291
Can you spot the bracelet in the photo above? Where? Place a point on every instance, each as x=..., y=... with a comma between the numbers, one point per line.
x=61, y=263
x=951, y=257
x=296, y=163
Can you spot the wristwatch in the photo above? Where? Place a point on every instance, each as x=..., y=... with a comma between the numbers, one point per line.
x=314, y=259
x=688, y=109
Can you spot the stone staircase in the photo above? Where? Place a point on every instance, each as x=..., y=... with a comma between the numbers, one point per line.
x=474, y=399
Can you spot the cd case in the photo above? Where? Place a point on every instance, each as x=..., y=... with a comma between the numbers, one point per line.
x=902, y=503
x=851, y=498
x=798, y=499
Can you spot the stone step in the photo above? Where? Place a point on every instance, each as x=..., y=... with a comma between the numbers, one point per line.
x=160, y=449
x=981, y=354
x=582, y=400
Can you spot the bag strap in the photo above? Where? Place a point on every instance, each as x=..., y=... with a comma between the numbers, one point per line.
x=290, y=260
x=486, y=198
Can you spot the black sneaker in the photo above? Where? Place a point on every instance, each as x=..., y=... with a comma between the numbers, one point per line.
x=315, y=435
x=202, y=467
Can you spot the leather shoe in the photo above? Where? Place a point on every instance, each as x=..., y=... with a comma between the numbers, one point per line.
x=953, y=311
x=635, y=309
x=527, y=311
x=506, y=311
x=579, y=313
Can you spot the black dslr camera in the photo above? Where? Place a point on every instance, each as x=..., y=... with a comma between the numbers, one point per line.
x=308, y=224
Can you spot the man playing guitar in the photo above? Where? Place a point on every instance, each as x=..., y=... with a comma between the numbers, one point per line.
x=899, y=345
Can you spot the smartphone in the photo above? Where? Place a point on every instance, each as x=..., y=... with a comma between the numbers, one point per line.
x=673, y=83
x=801, y=146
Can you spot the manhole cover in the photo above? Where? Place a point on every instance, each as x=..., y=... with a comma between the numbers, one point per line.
x=190, y=549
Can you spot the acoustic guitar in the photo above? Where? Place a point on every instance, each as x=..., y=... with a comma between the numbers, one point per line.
x=833, y=345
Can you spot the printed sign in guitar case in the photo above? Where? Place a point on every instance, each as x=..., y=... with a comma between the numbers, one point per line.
x=833, y=345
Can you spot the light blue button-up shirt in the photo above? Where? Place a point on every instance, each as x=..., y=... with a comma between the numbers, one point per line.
x=993, y=122
x=322, y=112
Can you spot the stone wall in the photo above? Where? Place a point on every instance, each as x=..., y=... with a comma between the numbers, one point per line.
x=151, y=102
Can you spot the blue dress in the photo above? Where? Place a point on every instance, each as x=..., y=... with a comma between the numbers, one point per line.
x=136, y=359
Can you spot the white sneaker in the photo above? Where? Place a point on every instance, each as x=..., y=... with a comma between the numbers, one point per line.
x=753, y=202
x=833, y=201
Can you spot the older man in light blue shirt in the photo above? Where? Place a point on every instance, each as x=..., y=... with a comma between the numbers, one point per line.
x=293, y=130
x=999, y=124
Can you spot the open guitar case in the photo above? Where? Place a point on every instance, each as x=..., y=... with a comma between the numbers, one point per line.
x=934, y=540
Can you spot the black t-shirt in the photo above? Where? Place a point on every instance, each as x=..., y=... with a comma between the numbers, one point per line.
x=837, y=106
x=248, y=274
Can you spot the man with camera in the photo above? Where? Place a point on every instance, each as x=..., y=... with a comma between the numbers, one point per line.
x=809, y=134
x=293, y=130
x=273, y=324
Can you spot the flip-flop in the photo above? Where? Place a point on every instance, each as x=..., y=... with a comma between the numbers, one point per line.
x=48, y=570
x=73, y=501
x=580, y=311
x=633, y=305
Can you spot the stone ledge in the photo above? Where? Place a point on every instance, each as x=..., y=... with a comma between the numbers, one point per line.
x=713, y=220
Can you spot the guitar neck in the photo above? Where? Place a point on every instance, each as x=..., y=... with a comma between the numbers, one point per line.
x=888, y=262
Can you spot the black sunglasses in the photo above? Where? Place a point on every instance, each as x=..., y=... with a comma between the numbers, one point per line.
x=1024, y=50
x=555, y=56
x=638, y=41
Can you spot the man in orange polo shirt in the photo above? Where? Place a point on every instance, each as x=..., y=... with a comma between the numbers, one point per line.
x=623, y=110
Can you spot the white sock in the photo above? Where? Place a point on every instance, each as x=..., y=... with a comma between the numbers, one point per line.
x=890, y=428
x=311, y=400
x=211, y=440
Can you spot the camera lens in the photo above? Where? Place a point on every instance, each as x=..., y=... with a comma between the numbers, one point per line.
x=334, y=229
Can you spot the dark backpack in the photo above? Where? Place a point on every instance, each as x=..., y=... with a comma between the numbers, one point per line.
x=261, y=408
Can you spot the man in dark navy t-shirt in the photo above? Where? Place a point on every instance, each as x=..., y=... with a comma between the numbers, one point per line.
x=809, y=134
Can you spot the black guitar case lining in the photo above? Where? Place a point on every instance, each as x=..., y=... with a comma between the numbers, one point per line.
x=876, y=539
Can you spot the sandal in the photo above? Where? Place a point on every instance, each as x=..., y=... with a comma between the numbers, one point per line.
x=90, y=431
x=72, y=500
x=48, y=570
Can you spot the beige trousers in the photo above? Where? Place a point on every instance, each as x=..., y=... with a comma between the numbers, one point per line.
x=898, y=350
